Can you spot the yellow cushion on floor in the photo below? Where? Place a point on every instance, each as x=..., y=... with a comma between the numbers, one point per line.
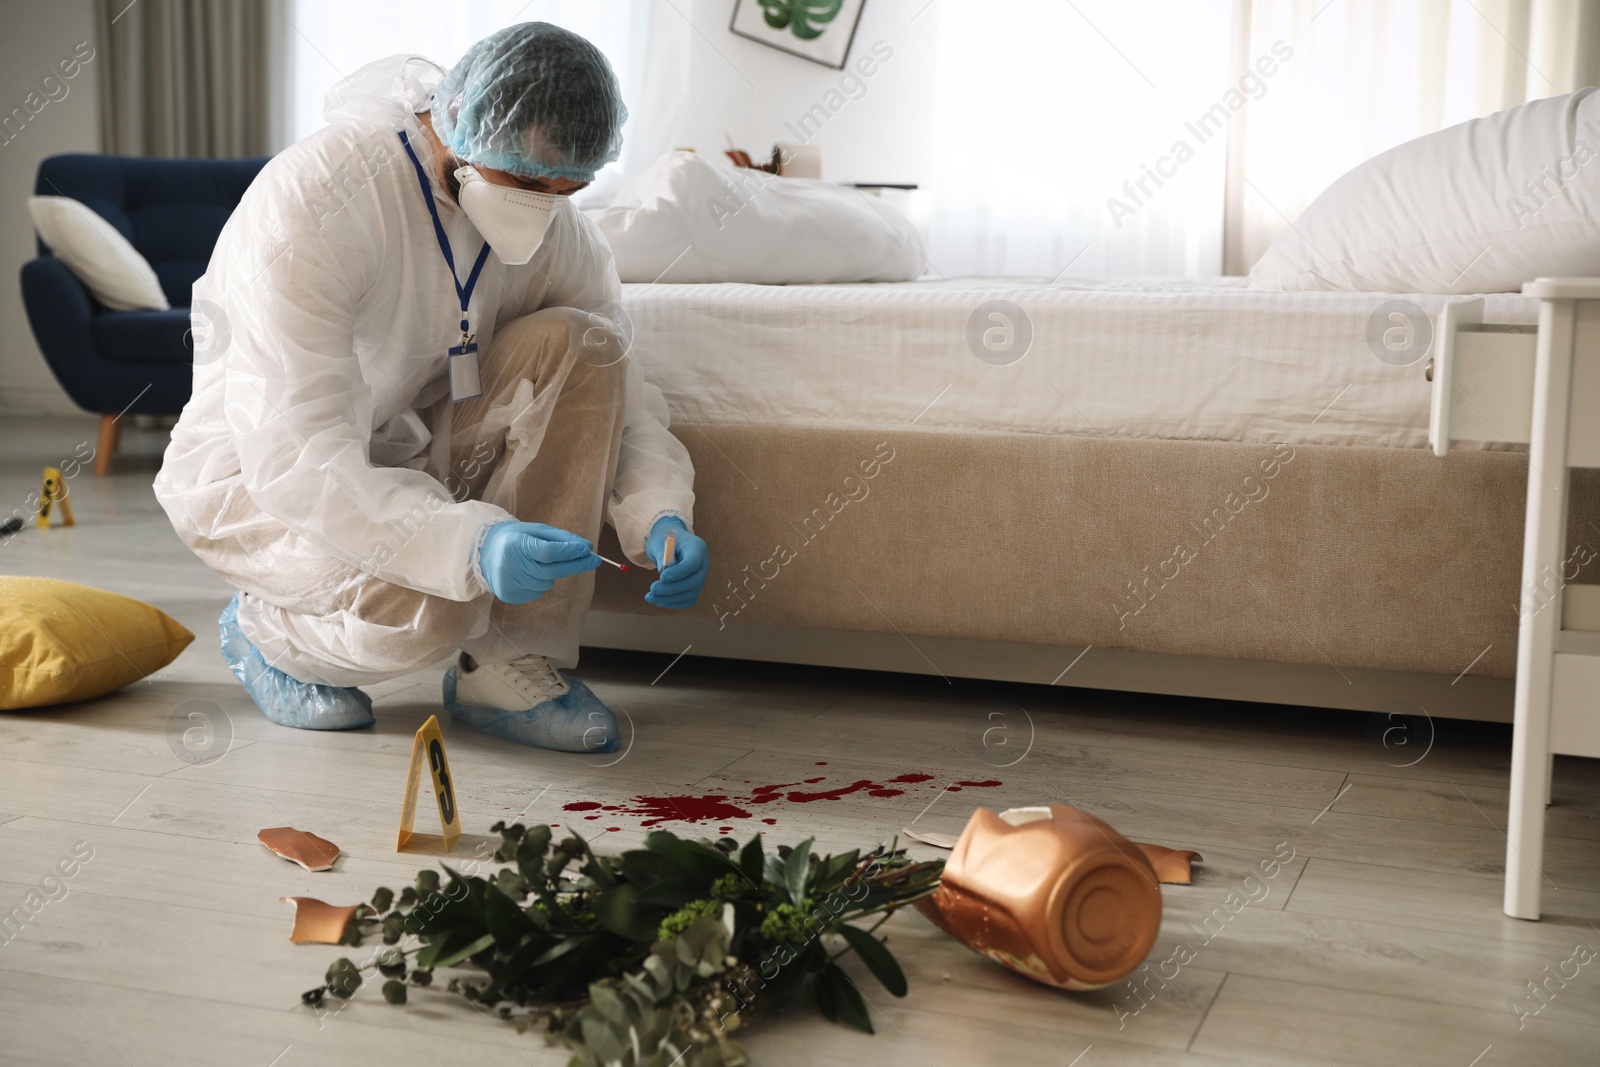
x=62, y=642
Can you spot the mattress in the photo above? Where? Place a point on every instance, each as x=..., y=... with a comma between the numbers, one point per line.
x=1191, y=359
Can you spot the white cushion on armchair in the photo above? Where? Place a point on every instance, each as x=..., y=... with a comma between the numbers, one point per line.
x=100, y=257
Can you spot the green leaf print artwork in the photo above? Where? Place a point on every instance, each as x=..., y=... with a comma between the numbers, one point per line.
x=806, y=19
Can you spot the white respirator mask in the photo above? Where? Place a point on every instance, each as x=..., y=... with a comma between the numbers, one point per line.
x=513, y=221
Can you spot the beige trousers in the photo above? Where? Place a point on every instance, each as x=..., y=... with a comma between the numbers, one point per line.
x=541, y=442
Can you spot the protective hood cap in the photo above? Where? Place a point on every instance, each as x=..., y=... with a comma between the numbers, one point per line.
x=535, y=100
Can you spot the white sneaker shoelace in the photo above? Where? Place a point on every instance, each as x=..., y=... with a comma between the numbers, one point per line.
x=532, y=678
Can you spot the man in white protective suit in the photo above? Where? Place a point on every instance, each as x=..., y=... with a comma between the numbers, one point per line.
x=414, y=403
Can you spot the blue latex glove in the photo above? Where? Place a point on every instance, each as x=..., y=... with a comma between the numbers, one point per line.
x=520, y=561
x=683, y=576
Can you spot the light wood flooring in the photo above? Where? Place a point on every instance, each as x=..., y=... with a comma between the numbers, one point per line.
x=1381, y=942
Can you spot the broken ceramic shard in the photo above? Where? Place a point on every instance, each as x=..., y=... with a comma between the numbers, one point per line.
x=1052, y=893
x=1172, y=865
x=307, y=849
x=317, y=922
x=944, y=841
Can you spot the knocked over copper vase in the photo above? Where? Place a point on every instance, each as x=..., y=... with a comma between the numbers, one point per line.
x=1052, y=893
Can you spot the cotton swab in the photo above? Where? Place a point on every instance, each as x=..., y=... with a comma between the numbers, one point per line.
x=614, y=563
x=669, y=551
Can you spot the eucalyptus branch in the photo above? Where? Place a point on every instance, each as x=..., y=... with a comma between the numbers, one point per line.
x=870, y=931
x=643, y=958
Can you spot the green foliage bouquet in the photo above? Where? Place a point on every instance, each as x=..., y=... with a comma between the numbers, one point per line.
x=653, y=957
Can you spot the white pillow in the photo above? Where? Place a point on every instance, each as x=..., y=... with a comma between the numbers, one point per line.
x=115, y=272
x=685, y=219
x=1477, y=208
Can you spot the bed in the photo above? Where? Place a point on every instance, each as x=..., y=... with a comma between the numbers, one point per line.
x=1185, y=487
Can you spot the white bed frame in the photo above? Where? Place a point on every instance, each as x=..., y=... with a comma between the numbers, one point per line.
x=1542, y=390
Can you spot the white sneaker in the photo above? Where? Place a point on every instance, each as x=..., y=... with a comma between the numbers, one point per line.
x=516, y=686
x=530, y=702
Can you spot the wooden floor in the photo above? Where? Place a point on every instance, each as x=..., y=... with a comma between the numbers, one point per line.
x=1381, y=942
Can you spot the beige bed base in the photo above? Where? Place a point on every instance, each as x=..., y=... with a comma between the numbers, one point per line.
x=1318, y=575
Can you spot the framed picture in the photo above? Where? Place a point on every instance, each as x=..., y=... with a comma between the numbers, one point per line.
x=818, y=30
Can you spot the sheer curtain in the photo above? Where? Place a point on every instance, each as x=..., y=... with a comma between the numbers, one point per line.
x=1090, y=138
x=1367, y=75
x=1047, y=109
x=1052, y=117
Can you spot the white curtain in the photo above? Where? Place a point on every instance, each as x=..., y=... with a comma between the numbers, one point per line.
x=1367, y=75
x=1052, y=119
x=1046, y=109
x=1096, y=138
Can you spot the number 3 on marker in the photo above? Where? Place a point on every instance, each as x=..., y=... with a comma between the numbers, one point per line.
x=441, y=779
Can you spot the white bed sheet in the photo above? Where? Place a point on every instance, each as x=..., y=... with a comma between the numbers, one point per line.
x=1191, y=359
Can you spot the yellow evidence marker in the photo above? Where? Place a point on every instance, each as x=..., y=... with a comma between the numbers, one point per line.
x=429, y=747
x=53, y=495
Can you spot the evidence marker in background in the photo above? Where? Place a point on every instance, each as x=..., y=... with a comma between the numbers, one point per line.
x=53, y=497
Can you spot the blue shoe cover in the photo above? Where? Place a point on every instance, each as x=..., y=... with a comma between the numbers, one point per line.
x=288, y=701
x=575, y=722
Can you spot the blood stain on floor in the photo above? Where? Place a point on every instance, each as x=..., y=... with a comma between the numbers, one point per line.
x=722, y=808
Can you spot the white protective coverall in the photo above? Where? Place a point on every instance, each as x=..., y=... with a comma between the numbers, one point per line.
x=330, y=311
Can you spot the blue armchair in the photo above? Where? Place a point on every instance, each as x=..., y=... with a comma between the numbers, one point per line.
x=172, y=211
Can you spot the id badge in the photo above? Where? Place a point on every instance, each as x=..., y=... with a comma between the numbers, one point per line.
x=464, y=381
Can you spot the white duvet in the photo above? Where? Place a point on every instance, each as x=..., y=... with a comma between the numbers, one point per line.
x=1196, y=359
x=688, y=219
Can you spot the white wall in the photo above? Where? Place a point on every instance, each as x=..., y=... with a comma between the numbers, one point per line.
x=36, y=37
x=743, y=89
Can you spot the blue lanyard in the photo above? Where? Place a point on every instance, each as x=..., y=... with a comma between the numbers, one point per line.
x=464, y=292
